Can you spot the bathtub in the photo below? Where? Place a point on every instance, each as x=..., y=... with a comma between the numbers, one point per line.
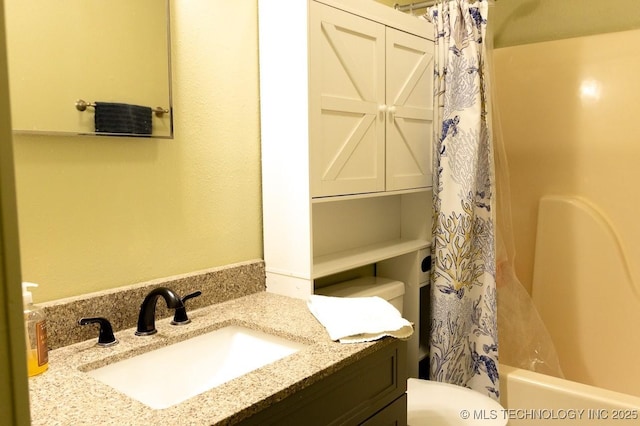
x=531, y=398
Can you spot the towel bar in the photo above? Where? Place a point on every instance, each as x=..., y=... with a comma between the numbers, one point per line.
x=82, y=105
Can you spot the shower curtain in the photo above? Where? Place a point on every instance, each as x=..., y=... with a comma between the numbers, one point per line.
x=464, y=335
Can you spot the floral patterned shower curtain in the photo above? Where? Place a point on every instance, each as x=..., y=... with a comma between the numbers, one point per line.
x=464, y=338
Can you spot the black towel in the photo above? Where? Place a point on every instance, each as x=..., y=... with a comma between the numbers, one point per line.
x=122, y=118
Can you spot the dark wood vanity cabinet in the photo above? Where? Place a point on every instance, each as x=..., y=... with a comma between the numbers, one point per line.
x=370, y=391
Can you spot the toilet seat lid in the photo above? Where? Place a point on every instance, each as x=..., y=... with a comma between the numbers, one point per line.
x=434, y=403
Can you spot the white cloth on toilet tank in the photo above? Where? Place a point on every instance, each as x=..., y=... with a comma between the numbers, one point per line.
x=359, y=319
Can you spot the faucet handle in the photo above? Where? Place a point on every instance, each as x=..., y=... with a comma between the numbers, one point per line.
x=105, y=337
x=180, y=317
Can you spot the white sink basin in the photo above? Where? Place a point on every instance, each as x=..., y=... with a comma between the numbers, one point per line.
x=172, y=374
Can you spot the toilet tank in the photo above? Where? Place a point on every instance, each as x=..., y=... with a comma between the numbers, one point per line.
x=388, y=289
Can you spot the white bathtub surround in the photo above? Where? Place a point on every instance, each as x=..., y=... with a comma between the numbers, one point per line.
x=568, y=112
x=531, y=398
x=464, y=341
x=583, y=271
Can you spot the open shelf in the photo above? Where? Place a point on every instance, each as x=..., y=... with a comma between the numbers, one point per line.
x=350, y=259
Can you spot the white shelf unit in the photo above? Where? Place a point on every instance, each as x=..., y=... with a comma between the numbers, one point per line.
x=314, y=237
x=334, y=263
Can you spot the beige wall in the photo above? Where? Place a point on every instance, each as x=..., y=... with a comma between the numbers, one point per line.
x=98, y=213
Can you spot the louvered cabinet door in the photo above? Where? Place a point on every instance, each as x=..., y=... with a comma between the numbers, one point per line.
x=409, y=95
x=346, y=103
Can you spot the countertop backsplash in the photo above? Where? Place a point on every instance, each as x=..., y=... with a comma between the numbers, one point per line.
x=121, y=305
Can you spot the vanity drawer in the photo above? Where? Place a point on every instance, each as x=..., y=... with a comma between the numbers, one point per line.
x=394, y=414
x=350, y=396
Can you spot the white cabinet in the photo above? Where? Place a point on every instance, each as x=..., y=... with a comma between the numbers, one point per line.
x=346, y=110
x=370, y=105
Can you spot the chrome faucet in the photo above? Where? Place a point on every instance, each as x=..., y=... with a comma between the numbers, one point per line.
x=147, y=316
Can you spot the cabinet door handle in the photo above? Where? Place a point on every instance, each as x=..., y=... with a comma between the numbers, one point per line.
x=391, y=110
x=382, y=110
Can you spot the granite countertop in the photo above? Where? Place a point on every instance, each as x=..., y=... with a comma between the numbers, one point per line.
x=65, y=395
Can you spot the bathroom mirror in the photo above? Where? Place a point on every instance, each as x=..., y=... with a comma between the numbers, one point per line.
x=65, y=51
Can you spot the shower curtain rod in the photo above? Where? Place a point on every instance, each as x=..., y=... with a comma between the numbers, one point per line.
x=418, y=5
